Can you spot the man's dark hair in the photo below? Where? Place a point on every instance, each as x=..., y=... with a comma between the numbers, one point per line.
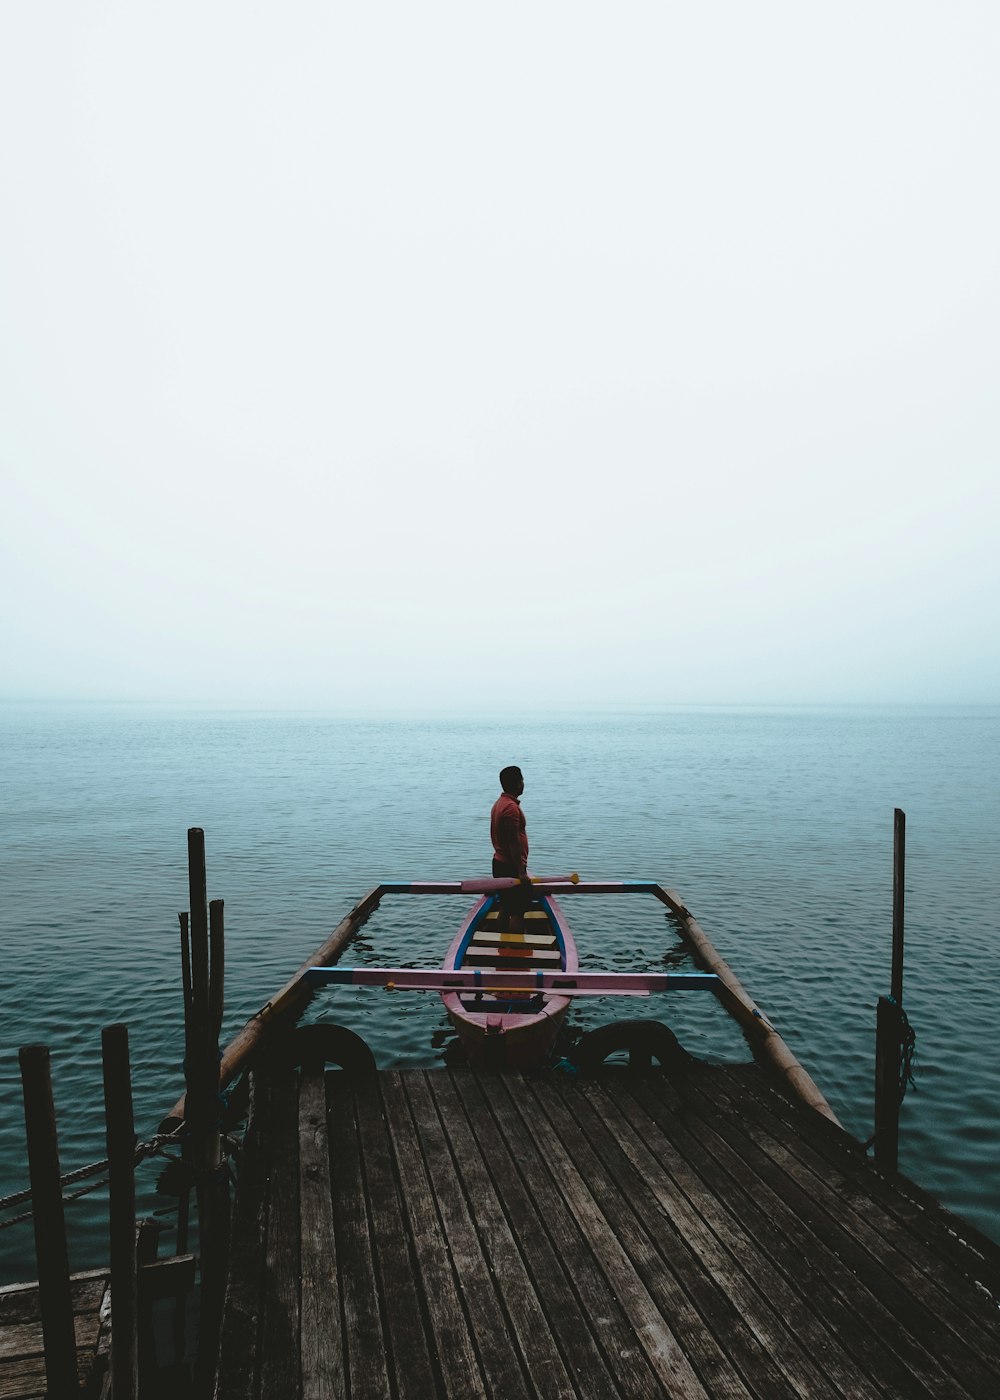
x=509, y=776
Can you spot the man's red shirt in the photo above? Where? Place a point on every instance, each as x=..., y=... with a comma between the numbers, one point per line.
x=509, y=832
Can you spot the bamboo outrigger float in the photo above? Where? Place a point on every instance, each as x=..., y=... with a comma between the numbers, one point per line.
x=290, y=1000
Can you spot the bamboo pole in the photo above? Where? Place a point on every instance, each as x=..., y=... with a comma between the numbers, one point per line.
x=291, y=998
x=121, y=1159
x=52, y=1255
x=744, y=1009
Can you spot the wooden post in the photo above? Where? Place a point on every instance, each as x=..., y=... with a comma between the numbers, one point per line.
x=898, y=878
x=887, y=1041
x=198, y=895
x=186, y=969
x=121, y=1158
x=217, y=968
x=203, y=1108
x=889, y=1018
x=54, y=1296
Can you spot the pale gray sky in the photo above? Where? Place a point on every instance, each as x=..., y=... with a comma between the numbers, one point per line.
x=463, y=353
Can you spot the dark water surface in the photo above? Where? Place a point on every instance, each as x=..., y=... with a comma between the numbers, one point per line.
x=774, y=824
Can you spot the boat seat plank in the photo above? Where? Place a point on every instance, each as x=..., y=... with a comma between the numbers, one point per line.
x=518, y=940
x=502, y=957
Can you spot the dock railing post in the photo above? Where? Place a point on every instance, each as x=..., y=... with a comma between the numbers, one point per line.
x=889, y=1022
x=54, y=1295
x=121, y=1163
x=203, y=1019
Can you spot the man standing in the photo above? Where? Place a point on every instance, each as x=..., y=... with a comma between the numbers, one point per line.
x=508, y=831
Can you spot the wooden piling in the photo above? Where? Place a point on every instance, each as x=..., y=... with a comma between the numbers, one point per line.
x=289, y=1000
x=898, y=880
x=217, y=964
x=185, y=967
x=202, y=1021
x=887, y=1042
x=889, y=1018
x=55, y=1298
x=121, y=1159
x=198, y=908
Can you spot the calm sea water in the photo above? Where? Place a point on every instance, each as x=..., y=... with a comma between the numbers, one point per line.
x=774, y=824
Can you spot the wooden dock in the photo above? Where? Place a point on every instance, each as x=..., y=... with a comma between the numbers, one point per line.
x=22, y=1352
x=685, y=1232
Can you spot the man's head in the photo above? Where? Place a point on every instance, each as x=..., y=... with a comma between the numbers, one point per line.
x=512, y=781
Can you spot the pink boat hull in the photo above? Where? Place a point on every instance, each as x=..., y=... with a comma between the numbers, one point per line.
x=499, y=1036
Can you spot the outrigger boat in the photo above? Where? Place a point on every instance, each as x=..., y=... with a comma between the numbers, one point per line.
x=507, y=992
x=496, y=1022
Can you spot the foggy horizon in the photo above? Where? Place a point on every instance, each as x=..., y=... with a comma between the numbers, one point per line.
x=544, y=359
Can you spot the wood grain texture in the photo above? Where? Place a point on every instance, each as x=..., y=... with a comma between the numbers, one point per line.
x=409, y=1353
x=434, y=1252
x=365, y=1344
x=280, y=1377
x=322, y=1351
x=683, y=1232
x=239, y=1343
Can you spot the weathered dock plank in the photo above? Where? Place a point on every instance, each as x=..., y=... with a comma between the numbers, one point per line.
x=280, y=1332
x=365, y=1343
x=323, y=1376
x=438, y=1259
x=514, y=1288
x=748, y=1222
x=22, y=1360
x=671, y=1240
x=239, y=1343
x=654, y=1329
x=544, y=1254
x=682, y=1232
x=920, y=1302
x=872, y=1295
x=409, y=1352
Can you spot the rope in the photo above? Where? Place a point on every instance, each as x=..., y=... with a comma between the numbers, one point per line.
x=142, y=1151
x=907, y=1054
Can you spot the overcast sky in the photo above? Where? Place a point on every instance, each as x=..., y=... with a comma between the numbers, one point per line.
x=430, y=353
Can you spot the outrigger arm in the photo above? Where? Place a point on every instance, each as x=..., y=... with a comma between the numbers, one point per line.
x=563, y=984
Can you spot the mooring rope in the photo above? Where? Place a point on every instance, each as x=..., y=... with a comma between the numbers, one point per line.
x=142, y=1150
x=907, y=1054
